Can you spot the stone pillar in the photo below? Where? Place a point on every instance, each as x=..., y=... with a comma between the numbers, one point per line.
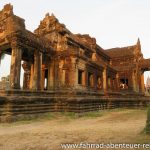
x=84, y=78
x=142, y=87
x=137, y=81
x=134, y=81
x=51, y=75
x=31, y=75
x=95, y=81
x=15, y=68
x=63, y=76
x=73, y=73
x=43, y=78
x=37, y=70
x=26, y=79
x=105, y=80
x=113, y=84
x=138, y=78
x=109, y=83
x=99, y=83
x=117, y=82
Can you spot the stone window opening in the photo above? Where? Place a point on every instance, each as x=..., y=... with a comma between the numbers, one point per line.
x=80, y=77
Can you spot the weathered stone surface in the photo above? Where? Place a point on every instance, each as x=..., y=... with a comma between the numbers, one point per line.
x=130, y=64
x=55, y=59
x=15, y=67
x=19, y=104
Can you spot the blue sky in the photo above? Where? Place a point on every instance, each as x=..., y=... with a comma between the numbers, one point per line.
x=114, y=23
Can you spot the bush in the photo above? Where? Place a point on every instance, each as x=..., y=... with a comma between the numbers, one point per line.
x=148, y=122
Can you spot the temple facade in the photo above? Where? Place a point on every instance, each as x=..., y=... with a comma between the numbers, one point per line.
x=65, y=71
x=55, y=58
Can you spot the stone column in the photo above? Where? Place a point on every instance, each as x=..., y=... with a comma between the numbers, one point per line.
x=105, y=80
x=142, y=87
x=63, y=76
x=95, y=81
x=37, y=70
x=84, y=78
x=134, y=81
x=73, y=73
x=31, y=75
x=138, y=78
x=51, y=75
x=15, y=68
x=117, y=81
x=113, y=84
x=26, y=79
x=109, y=83
x=43, y=78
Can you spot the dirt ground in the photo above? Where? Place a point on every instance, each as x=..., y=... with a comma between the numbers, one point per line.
x=116, y=126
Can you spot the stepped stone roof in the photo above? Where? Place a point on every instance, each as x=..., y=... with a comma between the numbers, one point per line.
x=121, y=51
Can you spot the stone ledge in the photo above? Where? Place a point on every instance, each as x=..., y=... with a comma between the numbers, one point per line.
x=16, y=105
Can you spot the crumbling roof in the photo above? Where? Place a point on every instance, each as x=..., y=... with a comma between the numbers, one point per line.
x=90, y=42
x=121, y=51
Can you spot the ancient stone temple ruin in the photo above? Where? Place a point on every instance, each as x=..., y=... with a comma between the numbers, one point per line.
x=65, y=71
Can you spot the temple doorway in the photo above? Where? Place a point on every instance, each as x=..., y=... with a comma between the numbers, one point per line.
x=124, y=83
